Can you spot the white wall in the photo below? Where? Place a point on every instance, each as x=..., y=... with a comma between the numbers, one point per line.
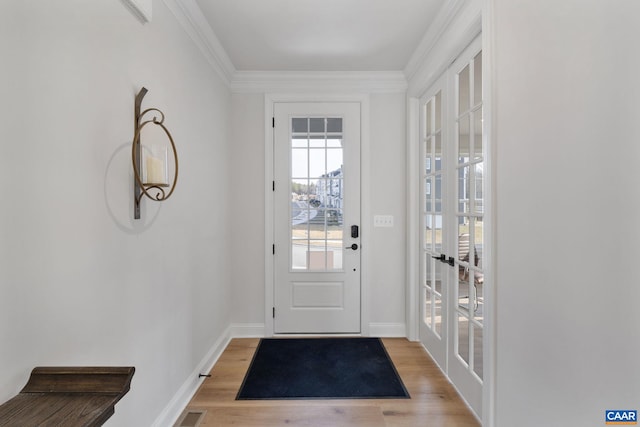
x=81, y=282
x=386, y=196
x=567, y=147
x=247, y=222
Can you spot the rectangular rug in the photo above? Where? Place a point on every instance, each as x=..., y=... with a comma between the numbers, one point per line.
x=321, y=368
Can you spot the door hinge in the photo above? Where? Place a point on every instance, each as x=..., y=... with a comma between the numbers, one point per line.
x=273, y=122
x=273, y=249
x=274, y=312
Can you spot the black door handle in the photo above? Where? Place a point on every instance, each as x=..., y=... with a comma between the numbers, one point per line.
x=354, y=247
x=441, y=257
x=451, y=261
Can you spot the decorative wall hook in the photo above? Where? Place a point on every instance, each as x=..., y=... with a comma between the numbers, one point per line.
x=151, y=175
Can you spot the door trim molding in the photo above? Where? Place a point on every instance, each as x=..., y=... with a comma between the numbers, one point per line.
x=365, y=209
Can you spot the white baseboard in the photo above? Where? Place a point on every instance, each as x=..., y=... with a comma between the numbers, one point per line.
x=247, y=330
x=181, y=399
x=388, y=330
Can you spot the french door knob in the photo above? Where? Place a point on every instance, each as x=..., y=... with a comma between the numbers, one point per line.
x=354, y=247
x=441, y=257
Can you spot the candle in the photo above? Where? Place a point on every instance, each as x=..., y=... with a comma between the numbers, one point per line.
x=156, y=166
x=155, y=171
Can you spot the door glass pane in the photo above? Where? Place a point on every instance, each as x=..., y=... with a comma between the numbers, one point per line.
x=477, y=134
x=428, y=194
x=316, y=125
x=464, y=146
x=437, y=121
x=478, y=172
x=334, y=142
x=299, y=142
x=300, y=125
x=334, y=162
x=429, y=264
x=299, y=163
x=438, y=195
x=463, y=189
x=463, y=337
x=317, y=141
x=299, y=249
x=317, y=166
x=428, y=232
x=437, y=226
x=438, y=278
x=477, y=79
x=334, y=125
x=463, y=90
x=428, y=157
x=317, y=183
x=438, y=151
x=427, y=119
x=437, y=320
x=428, y=308
x=477, y=350
x=478, y=313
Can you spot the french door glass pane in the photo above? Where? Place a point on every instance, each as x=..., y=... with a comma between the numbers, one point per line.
x=437, y=228
x=428, y=194
x=478, y=172
x=463, y=90
x=477, y=79
x=477, y=134
x=438, y=195
x=428, y=232
x=438, y=152
x=438, y=278
x=428, y=156
x=464, y=141
x=464, y=185
x=438, y=315
x=463, y=337
x=477, y=350
x=437, y=121
x=428, y=308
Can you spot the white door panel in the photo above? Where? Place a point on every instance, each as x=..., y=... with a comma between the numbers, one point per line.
x=316, y=203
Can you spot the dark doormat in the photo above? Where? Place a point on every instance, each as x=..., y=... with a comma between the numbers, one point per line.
x=321, y=368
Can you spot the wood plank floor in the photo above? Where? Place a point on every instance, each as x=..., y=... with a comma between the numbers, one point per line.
x=433, y=403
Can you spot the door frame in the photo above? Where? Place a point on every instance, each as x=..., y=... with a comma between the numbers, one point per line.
x=269, y=204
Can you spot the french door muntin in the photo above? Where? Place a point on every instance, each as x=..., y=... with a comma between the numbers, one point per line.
x=452, y=224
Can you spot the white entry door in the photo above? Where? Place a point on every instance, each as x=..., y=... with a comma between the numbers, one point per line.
x=317, y=218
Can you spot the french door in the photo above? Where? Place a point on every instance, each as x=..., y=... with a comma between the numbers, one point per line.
x=317, y=218
x=452, y=222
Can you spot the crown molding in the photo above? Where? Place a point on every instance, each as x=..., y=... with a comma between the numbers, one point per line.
x=441, y=47
x=323, y=81
x=441, y=23
x=192, y=20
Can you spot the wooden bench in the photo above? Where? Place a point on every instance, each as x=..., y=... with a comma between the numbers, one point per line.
x=67, y=396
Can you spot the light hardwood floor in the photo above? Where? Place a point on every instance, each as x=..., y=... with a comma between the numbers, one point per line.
x=433, y=403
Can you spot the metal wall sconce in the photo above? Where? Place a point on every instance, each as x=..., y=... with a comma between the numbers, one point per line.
x=150, y=167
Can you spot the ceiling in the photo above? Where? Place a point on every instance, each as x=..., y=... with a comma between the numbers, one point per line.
x=320, y=35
